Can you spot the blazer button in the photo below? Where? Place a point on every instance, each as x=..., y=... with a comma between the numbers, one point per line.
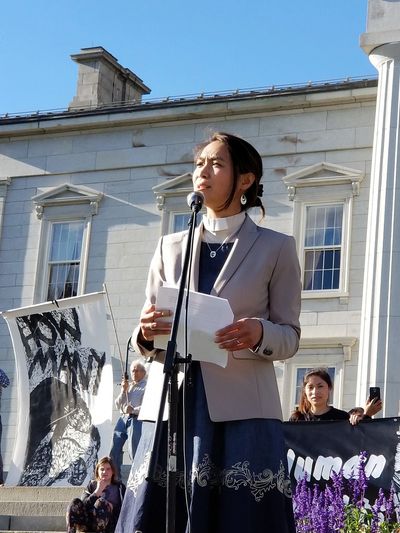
x=267, y=351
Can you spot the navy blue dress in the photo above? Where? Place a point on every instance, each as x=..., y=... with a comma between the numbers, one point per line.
x=236, y=471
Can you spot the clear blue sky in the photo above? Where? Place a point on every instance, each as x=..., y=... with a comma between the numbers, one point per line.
x=177, y=47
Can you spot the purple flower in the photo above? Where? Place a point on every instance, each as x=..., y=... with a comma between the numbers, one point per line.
x=359, y=482
x=389, y=503
x=376, y=508
x=335, y=504
x=341, y=504
x=302, y=506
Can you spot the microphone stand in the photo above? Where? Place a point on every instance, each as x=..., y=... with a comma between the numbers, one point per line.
x=171, y=370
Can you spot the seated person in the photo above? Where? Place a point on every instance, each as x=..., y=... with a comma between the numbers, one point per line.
x=314, y=406
x=100, y=505
x=128, y=427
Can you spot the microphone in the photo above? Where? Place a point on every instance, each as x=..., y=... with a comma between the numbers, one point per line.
x=195, y=200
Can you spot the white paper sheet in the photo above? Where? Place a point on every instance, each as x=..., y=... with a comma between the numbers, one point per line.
x=206, y=315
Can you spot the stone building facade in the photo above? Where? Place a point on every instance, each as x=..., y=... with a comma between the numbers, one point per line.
x=113, y=171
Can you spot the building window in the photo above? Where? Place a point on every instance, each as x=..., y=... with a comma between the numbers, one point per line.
x=65, y=259
x=180, y=221
x=301, y=372
x=322, y=247
x=332, y=353
x=171, y=197
x=65, y=214
x=323, y=197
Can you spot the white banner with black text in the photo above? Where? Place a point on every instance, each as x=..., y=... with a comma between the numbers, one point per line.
x=65, y=391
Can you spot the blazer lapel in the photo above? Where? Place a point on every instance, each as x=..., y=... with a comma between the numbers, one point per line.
x=244, y=241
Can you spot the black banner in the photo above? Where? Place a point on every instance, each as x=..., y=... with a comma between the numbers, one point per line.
x=317, y=449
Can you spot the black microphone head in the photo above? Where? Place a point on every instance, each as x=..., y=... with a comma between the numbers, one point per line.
x=195, y=200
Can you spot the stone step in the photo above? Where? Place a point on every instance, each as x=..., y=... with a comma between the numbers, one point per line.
x=39, y=494
x=36, y=523
x=38, y=509
x=42, y=507
x=35, y=508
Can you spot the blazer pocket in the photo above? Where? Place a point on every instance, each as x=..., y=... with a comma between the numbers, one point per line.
x=246, y=354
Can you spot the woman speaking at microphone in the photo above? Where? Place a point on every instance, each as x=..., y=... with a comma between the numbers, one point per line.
x=230, y=447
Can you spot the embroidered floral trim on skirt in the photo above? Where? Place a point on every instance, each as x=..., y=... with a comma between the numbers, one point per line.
x=88, y=516
x=236, y=476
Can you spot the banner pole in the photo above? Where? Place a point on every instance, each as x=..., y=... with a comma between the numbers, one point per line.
x=114, y=328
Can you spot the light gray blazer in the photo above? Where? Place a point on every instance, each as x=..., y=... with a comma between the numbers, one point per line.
x=261, y=278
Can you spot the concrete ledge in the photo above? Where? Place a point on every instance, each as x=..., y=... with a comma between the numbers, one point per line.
x=35, y=508
x=39, y=494
x=43, y=508
x=5, y=522
x=38, y=523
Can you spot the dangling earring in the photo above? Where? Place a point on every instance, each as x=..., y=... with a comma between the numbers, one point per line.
x=243, y=199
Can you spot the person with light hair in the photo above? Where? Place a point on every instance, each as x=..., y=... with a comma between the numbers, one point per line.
x=128, y=402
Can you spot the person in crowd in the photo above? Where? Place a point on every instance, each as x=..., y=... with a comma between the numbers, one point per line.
x=314, y=401
x=100, y=505
x=4, y=382
x=371, y=408
x=128, y=427
x=231, y=461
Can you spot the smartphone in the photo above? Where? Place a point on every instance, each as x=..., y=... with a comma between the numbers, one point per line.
x=374, y=393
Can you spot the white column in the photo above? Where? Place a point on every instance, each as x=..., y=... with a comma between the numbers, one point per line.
x=379, y=355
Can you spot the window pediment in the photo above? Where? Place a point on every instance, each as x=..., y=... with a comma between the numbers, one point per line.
x=67, y=194
x=179, y=186
x=323, y=174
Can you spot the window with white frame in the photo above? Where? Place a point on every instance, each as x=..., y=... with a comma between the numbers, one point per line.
x=300, y=373
x=180, y=221
x=171, y=196
x=323, y=196
x=64, y=262
x=332, y=353
x=322, y=247
x=296, y=369
x=331, y=359
x=66, y=214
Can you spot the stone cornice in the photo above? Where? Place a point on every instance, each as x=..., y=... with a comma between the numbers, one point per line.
x=188, y=109
x=346, y=343
x=323, y=174
x=67, y=194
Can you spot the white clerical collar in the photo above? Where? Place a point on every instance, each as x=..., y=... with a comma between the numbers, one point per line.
x=215, y=225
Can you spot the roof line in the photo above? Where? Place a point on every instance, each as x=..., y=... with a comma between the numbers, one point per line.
x=271, y=90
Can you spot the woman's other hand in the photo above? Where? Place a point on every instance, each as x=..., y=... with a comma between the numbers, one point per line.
x=151, y=325
x=372, y=407
x=244, y=334
x=355, y=418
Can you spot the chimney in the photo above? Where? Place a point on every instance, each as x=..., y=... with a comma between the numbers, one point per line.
x=103, y=81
